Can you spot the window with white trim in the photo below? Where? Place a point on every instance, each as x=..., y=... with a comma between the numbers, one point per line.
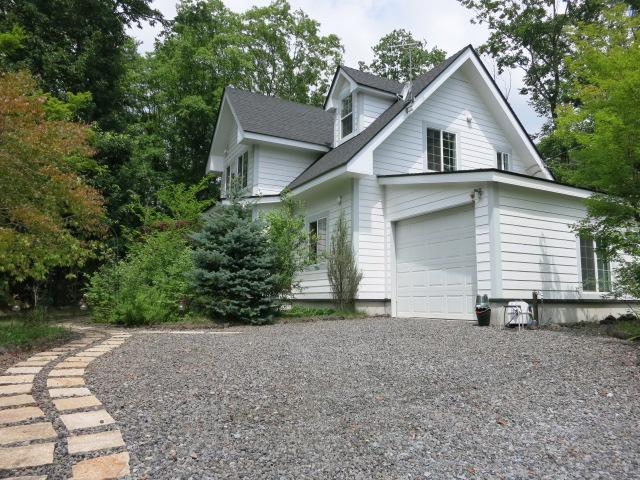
x=441, y=150
x=503, y=160
x=243, y=168
x=346, y=116
x=317, y=239
x=595, y=267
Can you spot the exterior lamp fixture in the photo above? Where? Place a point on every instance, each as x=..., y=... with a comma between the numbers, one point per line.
x=182, y=306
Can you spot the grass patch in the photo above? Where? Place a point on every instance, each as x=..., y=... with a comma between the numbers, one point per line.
x=628, y=330
x=625, y=329
x=20, y=334
x=301, y=312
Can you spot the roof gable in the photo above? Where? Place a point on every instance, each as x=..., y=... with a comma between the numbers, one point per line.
x=349, y=151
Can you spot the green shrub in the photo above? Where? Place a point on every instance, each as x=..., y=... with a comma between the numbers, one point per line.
x=235, y=272
x=290, y=242
x=342, y=268
x=148, y=285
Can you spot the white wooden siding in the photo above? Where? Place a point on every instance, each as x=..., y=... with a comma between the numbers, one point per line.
x=234, y=150
x=372, y=108
x=538, y=246
x=404, y=150
x=324, y=203
x=277, y=167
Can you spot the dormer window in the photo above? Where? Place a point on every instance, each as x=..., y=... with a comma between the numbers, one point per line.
x=346, y=116
x=504, y=161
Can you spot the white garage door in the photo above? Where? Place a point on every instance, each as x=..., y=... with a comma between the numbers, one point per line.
x=436, y=265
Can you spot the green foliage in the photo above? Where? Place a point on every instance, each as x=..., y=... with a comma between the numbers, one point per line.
x=604, y=129
x=342, y=267
x=76, y=46
x=392, y=61
x=532, y=35
x=300, y=311
x=235, y=274
x=146, y=286
x=289, y=240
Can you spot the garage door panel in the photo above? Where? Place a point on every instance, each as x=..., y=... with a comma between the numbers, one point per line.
x=436, y=265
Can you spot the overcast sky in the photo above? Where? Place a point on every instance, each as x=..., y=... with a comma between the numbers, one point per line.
x=361, y=23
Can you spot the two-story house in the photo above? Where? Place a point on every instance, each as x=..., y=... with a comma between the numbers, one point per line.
x=446, y=195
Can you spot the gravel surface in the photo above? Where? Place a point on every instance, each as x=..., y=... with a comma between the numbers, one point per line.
x=374, y=398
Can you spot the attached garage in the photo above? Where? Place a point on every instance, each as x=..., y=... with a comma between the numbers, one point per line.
x=436, y=265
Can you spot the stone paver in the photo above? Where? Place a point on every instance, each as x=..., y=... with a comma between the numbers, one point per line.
x=21, y=433
x=95, y=441
x=33, y=363
x=18, y=388
x=80, y=358
x=42, y=358
x=16, y=400
x=92, y=354
x=72, y=364
x=109, y=466
x=62, y=349
x=64, y=382
x=67, y=372
x=69, y=392
x=27, y=456
x=75, y=403
x=14, y=370
x=28, y=477
x=11, y=379
x=77, y=421
x=48, y=354
x=14, y=415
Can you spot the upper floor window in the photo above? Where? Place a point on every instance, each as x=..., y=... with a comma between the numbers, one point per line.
x=441, y=150
x=243, y=169
x=503, y=161
x=346, y=116
x=317, y=239
x=596, y=270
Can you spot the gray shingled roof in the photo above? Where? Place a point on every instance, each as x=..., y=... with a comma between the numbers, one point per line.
x=274, y=116
x=344, y=152
x=373, y=81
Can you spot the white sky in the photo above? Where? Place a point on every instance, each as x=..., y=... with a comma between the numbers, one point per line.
x=361, y=23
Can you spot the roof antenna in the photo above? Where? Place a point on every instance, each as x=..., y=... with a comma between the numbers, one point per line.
x=407, y=90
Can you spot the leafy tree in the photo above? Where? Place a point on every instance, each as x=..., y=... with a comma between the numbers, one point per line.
x=604, y=129
x=49, y=216
x=76, y=45
x=532, y=35
x=289, y=240
x=235, y=267
x=342, y=267
x=392, y=61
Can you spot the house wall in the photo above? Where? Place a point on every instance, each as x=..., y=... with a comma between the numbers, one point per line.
x=276, y=167
x=478, y=141
x=538, y=248
x=324, y=201
x=371, y=107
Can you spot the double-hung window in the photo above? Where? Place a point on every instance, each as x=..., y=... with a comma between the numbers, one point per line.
x=504, y=161
x=243, y=169
x=346, y=116
x=317, y=239
x=441, y=150
x=596, y=270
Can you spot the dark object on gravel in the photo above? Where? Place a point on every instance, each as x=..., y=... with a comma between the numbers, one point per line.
x=627, y=317
x=609, y=320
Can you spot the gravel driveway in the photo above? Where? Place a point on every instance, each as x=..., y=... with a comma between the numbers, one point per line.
x=374, y=398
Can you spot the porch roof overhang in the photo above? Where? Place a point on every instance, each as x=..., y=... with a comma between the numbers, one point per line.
x=484, y=175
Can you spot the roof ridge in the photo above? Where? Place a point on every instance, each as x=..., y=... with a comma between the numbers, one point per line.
x=274, y=97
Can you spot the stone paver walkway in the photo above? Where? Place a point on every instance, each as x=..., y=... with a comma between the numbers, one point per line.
x=61, y=430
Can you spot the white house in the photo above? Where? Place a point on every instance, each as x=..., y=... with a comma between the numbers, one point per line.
x=446, y=195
